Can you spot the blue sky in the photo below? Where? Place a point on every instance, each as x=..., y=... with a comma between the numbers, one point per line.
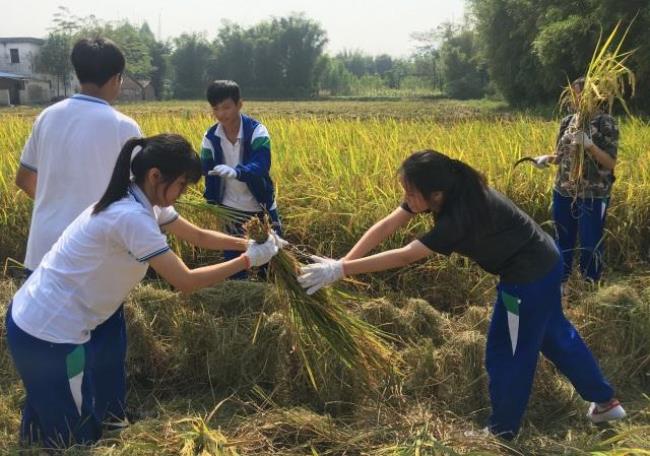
x=381, y=26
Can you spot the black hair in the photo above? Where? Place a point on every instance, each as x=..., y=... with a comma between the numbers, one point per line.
x=580, y=83
x=96, y=60
x=464, y=188
x=222, y=90
x=170, y=153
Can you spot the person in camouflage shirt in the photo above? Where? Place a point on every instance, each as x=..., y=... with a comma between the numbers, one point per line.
x=581, y=193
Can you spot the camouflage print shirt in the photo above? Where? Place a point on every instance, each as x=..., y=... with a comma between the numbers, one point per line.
x=596, y=181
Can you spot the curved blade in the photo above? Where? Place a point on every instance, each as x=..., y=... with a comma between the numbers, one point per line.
x=524, y=160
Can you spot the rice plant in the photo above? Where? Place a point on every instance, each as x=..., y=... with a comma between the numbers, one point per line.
x=319, y=323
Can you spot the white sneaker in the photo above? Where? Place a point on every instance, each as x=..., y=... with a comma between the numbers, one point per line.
x=477, y=434
x=611, y=412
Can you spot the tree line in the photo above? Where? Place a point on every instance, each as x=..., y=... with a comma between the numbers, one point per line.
x=521, y=51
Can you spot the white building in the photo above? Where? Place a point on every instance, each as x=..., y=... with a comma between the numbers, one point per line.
x=19, y=81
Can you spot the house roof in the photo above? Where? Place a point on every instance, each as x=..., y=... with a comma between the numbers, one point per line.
x=17, y=77
x=21, y=39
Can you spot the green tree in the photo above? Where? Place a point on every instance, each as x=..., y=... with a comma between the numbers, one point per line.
x=533, y=48
x=461, y=69
x=160, y=53
x=275, y=58
x=335, y=78
x=191, y=60
x=54, y=59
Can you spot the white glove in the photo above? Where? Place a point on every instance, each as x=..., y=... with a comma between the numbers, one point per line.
x=223, y=171
x=543, y=161
x=323, y=272
x=279, y=242
x=580, y=137
x=259, y=254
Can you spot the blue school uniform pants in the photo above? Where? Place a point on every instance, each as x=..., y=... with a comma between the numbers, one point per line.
x=583, y=218
x=108, y=342
x=527, y=319
x=69, y=388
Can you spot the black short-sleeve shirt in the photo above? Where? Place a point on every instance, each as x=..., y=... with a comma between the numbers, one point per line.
x=513, y=246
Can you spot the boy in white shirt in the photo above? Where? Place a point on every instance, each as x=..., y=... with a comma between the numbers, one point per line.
x=65, y=166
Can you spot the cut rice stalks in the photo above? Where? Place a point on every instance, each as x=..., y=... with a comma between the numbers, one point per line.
x=320, y=324
x=606, y=80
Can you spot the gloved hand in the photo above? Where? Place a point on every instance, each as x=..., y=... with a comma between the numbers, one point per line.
x=543, y=161
x=259, y=254
x=323, y=272
x=580, y=137
x=279, y=242
x=223, y=171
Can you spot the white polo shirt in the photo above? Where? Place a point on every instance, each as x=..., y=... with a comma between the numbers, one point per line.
x=73, y=147
x=236, y=193
x=91, y=269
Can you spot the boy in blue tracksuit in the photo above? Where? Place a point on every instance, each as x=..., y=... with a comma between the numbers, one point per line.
x=236, y=161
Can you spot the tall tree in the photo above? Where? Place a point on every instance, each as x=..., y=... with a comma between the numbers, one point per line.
x=191, y=60
x=462, y=71
x=160, y=53
x=533, y=47
x=54, y=59
x=276, y=58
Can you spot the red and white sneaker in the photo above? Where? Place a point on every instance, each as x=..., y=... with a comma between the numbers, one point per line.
x=611, y=411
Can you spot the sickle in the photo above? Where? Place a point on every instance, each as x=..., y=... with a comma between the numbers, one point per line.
x=523, y=160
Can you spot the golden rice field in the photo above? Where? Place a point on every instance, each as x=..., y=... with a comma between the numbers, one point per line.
x=206, y=389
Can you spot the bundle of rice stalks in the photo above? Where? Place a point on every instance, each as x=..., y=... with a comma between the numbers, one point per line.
x=201, y=440
x=618, y=329
x=460, y=372
x=384, y=315
x=320, y=324
x=452, y=374
x=298, y=430
x=605, y=82
x=475, y=318
x=424, y=320
x=202, y=341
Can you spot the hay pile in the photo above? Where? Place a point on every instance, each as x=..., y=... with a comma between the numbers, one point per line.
x=204, y=341
x=409, y=320
x=188, y=353
x=617, y=328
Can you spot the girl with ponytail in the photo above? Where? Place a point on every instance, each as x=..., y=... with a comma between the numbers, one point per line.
x=474, y=220
x=84, y=278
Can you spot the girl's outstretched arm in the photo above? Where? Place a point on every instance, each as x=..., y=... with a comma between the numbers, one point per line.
x=207, y=239
x=379, y=232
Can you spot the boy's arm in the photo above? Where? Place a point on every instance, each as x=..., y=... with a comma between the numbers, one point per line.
x=207, y=163
x=26, y=175
x=26, y=181
x=260, y=160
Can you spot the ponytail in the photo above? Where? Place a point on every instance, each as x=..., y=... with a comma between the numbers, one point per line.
x=121, y=178
x=171, y=154
x=464, y=188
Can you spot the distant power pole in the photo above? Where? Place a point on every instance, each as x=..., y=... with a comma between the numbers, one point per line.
x=159, y=27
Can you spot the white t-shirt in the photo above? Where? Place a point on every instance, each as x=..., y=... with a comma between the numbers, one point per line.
x=236, y=193
x=73, y=147
x=91, y=269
